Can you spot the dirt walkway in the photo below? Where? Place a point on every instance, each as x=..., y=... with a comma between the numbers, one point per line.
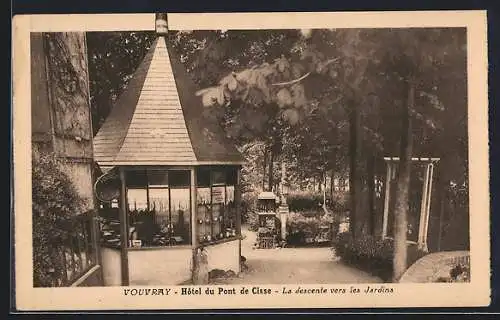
x=294, y=265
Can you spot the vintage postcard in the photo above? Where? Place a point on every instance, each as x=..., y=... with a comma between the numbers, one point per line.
x=250, y=160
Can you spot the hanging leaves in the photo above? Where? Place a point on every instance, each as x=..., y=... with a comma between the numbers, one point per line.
x=284, y=98
x=282, y=64
x=291, y=116
x=298, y=95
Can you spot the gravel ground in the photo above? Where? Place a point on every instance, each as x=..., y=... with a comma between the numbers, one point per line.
x=294, y=265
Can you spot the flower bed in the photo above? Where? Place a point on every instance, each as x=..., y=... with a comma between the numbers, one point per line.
x=371, y=254
x=308, y=230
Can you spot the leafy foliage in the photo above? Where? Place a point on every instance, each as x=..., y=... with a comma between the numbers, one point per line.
x=55, y=203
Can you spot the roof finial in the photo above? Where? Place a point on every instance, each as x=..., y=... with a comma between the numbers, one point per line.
x=161, y=24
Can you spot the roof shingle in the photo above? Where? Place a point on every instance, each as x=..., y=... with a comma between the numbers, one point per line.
x=158, y=120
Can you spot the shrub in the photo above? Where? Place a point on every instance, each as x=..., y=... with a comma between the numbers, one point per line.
x=300, y=226
x=304, y=201
x=55, y=202
x=312, y=201
x=371, y=254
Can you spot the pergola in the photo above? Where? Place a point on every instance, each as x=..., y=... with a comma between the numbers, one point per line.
x=425, y=203
x=179, y=178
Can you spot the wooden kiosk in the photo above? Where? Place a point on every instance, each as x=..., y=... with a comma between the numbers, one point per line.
x=177, y=174
x=269, y=221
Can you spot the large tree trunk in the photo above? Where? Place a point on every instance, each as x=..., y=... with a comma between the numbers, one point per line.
x=355, y=177
x=402, y=188
x=61, y=104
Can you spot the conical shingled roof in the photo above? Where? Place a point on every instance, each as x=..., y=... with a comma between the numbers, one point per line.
x=158, y=120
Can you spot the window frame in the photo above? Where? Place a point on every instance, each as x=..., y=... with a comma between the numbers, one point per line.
x=148, y=187
x=225, y=206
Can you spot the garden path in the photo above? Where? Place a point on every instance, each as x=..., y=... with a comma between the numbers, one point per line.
x=294, y=265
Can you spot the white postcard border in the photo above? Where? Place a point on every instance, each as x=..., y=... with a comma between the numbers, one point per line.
x=475, y=293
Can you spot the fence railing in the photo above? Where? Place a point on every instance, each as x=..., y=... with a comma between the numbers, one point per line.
x=79, y=253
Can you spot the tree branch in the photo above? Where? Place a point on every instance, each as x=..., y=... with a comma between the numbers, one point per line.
x=291, y=82
x=304, y=76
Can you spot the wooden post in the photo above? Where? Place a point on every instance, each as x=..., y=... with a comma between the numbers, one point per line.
x=123, y=229
x=194, y=207
x=386, y=198
x=237, y=200
x=423, y=208
x=428, y=209
x=194, y=228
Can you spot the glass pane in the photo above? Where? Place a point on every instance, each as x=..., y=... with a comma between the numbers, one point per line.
x=203, y=177
x=110, y=226
x=219, y=195
x=203, y=214
x=230, y=213
x=179, y=178
x=203, y=223
x=231, y=176
x=218, y=177
x=203, y=195
x=136, y=179
x=159, y=204
x=217, y=217
x=229, y=194
x=180, y=216
x=158, y=178
x=137, y=199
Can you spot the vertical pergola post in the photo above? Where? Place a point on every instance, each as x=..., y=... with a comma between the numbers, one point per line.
x=423, y=209
x=123, y=229
x=388, y=179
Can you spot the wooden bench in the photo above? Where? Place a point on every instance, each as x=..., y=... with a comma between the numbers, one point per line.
x=434, y=266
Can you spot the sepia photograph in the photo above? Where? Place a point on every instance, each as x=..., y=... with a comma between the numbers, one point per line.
x=239, y=165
